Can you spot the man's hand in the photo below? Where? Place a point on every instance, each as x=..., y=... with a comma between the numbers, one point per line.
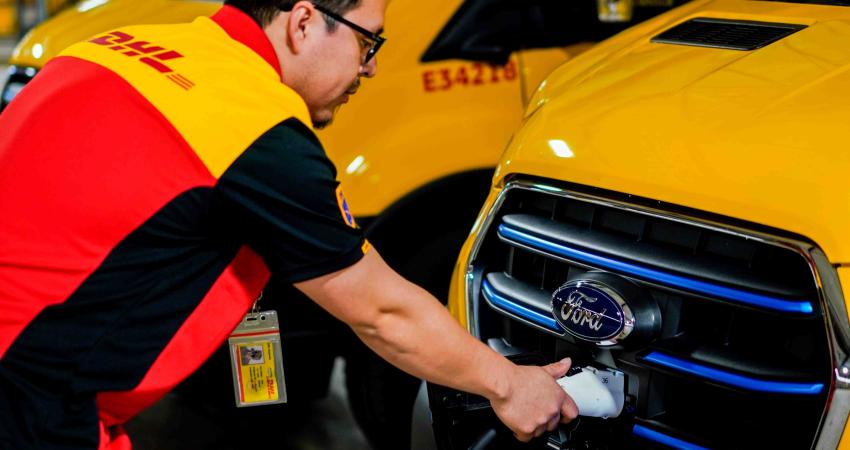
x=534, y=403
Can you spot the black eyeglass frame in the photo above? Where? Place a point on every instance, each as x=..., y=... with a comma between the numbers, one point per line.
x=377, y=39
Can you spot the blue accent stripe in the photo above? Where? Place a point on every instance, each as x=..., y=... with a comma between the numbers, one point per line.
x=713, y=290
x=661, y=438
x=519, y=310
x=741, y=381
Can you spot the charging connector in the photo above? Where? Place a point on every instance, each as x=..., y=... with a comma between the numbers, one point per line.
x=597, y=392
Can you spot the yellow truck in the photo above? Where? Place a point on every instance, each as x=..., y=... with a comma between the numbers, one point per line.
x=673, y=213
x=415, y=152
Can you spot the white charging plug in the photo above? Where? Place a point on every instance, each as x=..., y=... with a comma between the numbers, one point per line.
x=597, y=393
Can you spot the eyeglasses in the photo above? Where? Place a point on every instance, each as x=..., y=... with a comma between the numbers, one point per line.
x=375, y=40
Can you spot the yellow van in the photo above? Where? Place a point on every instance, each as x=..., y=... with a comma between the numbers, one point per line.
x=415, y=151
x=673, y=213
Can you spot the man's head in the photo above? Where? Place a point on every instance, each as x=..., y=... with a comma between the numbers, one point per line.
x=321, y=58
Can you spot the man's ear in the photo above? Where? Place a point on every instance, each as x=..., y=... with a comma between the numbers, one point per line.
x=298, y=24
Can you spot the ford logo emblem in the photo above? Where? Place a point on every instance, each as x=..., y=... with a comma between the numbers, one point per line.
x=592, y=311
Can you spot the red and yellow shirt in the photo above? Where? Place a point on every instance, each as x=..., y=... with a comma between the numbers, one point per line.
x=151, y=179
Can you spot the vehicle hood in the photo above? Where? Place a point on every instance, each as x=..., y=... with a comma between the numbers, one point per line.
x=90, y=17
x=754, y=135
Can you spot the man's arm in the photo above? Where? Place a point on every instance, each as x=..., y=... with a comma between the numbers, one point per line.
x=409, y=328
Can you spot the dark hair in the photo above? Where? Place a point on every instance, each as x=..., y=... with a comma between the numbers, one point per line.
x=264, y=11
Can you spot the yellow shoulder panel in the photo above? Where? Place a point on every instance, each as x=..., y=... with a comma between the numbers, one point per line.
x=219, y=94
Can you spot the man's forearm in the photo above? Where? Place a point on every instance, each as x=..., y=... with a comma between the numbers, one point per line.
x=406, y=325
x=419, y=336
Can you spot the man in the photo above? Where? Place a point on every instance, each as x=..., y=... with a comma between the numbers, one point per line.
x=153, y=177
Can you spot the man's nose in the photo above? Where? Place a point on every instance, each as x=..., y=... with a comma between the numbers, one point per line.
x=369, y=69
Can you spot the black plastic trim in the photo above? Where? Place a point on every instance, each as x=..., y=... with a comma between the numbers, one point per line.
x=741, y=35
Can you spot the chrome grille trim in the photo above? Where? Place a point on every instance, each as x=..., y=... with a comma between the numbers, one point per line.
x=835, y=418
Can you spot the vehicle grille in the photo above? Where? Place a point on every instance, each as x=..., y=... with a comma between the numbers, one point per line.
x=726, y=34
x=743, y=357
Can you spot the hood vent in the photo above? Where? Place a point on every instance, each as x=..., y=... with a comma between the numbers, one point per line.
x=726, y=34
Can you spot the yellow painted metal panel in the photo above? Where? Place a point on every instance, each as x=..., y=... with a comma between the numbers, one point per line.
x=754, y=135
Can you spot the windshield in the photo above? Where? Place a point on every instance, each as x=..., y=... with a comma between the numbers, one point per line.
x=815, y=2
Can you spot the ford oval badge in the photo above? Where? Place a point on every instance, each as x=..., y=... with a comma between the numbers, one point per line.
x=592, y=311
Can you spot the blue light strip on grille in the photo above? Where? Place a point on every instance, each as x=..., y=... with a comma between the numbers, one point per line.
x=713, y=290
x=519, y=310
x=661, y=438
x=753, y=384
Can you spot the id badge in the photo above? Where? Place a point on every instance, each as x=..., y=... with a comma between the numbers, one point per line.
x=255, y=357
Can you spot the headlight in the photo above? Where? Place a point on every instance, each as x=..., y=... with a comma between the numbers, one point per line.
x=17, y=78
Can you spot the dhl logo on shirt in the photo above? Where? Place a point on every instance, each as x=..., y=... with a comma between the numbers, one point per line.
x=151, y=54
